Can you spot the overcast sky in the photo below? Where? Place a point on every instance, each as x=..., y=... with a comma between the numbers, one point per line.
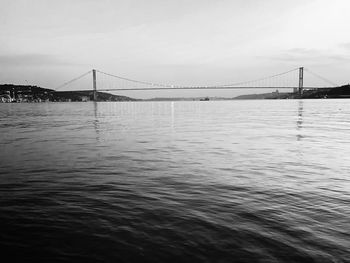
x=181, y=42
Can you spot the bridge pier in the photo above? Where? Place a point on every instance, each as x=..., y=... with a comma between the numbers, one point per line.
x=94, y=90
x=301, y=81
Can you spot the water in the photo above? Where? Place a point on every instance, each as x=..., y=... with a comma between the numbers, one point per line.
x=233, y=181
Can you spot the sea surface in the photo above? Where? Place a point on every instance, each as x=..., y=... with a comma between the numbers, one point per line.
x=209, y=181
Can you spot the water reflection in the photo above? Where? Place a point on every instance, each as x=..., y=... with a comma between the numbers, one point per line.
x=172, y=115
x=300, y=119
x=96, y=121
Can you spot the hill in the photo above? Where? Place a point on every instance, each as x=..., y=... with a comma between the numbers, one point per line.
x=333, y=93
x=264, y=96
x=28, y=93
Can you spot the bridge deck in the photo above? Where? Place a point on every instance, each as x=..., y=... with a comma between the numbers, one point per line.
x=212, y=88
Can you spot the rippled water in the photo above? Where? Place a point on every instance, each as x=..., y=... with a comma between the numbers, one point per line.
x=233, y=181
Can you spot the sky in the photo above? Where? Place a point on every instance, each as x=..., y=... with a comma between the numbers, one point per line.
x=179, y=42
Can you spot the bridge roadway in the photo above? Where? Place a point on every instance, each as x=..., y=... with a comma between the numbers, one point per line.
x=212, y=88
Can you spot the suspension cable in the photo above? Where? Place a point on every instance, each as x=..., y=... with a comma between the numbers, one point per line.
x=137, y=81
x=260, y=79
x=320, y=77
x=178, y=86
x=72, y=80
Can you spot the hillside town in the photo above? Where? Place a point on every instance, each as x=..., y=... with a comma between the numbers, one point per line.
x=23, y=93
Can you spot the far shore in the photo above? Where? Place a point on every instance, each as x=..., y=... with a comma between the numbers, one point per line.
x=10, y=93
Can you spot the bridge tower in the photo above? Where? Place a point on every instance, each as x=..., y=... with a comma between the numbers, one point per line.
x=94, y=85
x=301, y=80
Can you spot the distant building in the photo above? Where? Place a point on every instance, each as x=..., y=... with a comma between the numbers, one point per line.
x=276, y=94
x=85, y=98
x=5, y=98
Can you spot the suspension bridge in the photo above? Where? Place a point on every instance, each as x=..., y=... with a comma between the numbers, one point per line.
x=102, y=82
